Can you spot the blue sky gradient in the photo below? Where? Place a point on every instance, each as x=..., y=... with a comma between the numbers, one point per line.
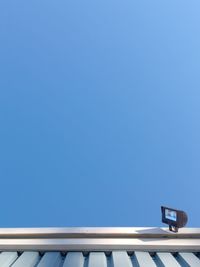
x=99, y=112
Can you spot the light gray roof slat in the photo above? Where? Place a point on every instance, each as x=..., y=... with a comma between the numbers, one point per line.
x=144, y=259
x=97, y=259
x=7, y=258
x=50, y=259
x=74, y=259
x=121, y=259
x=27, y=259
x=190, y=259
x=167, y=259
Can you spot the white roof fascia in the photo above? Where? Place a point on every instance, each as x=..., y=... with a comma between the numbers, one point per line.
x=99, y=239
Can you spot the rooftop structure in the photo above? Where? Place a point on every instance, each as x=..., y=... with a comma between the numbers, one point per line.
x=99, y=247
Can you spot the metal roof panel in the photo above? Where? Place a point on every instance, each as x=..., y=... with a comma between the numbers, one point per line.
x=74, y=259
x=7, y=258
x=100, y=259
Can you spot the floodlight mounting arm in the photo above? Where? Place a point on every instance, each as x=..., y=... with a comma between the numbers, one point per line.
x=173, y=229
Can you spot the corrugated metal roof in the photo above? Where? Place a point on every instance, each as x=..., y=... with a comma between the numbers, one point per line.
x=99, y=247
x=99, y=259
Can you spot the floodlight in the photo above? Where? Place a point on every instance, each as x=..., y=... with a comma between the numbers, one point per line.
x=174, y=218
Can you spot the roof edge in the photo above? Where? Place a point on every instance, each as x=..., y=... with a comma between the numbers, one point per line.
x=98, y=232
x=97, y=244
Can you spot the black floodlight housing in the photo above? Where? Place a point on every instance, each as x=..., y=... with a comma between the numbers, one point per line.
x=174, y=218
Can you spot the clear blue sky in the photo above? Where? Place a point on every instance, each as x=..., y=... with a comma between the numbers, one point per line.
x=99, y=112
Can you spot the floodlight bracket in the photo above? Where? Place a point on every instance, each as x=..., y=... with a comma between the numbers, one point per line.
x=173, y=229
